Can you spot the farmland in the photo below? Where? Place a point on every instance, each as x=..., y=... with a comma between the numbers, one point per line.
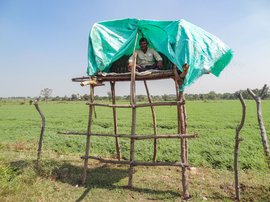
x=211, y=153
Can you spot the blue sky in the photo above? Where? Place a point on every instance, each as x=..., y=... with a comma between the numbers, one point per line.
x=43, y=44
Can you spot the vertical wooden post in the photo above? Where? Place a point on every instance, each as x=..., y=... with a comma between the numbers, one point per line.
x=133, y=126
x=264, y=139
x=183, y=147
x=88, y=136
x=40, y=143
x=117, y=146
x=185, y=127
x=181, y=130
x=154, y=121
x=236, y=147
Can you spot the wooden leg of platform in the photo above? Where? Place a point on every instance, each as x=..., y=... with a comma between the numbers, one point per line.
x=133, y=126
x=132, y=147
x=183, y=149
x=183, y=143
x=185, y=129
x=154, y=121
x=117, y=145
x=88, y=136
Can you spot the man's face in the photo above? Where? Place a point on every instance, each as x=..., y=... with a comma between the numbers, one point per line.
x=143, y=45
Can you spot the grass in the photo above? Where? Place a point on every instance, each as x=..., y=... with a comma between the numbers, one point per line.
x=60, y=173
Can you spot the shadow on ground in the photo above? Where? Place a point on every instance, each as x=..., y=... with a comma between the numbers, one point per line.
x=102, y=176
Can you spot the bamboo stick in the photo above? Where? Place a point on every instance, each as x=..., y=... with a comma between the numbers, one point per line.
x=261, y=123
x=117, y=146
x=136, y=163
x=154, y=121
x=40, y=143
x=236, y=147
x=87, y=147
x=140, y=137
x=132, y=103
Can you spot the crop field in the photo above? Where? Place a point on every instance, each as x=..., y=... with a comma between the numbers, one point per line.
x=58, y=178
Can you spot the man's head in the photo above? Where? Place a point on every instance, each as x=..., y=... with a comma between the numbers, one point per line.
x=143, y=44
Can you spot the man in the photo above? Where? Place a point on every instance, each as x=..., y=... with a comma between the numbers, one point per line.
x=147, y=58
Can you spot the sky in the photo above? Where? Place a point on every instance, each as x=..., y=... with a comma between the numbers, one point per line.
x=43, y=44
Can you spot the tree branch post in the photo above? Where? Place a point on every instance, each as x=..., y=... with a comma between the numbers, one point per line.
x=260, y=120
x=236, y=147
x=41, y=131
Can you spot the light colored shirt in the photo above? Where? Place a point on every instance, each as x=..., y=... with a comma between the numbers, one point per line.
x=146, y=59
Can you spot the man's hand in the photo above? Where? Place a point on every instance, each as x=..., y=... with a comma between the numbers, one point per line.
x=185, y=71
x=130, y=66
x=159, y=64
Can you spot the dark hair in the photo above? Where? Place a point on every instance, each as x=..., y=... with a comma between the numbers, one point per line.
x=143, y=40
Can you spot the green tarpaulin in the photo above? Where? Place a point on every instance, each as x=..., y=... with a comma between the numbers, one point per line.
x=180, y=41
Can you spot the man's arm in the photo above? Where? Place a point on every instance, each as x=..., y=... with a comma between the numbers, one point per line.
x=158, y=58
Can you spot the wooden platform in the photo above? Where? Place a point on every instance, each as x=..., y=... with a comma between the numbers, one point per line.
x=154, y=75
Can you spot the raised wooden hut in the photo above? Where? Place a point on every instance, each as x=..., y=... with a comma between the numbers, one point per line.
x=188, y=52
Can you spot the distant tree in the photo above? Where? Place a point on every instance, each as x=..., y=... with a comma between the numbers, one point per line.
x=65, y=98
x=46, y=93
x=57, y=98
x=140, y=97
x=85, y=97
x=165, y=97
x=212, y=95
x=74, y=97
x=109, y=94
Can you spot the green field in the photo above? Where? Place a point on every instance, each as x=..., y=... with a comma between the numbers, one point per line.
x=211, y=153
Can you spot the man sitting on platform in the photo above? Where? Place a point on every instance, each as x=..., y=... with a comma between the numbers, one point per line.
x=147, y=58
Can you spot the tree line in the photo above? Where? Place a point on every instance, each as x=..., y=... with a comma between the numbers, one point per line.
x=45, y=95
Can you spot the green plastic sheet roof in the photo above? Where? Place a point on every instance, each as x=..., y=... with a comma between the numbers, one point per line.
x=180, y=41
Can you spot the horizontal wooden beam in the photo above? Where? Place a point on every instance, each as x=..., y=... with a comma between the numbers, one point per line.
x=136, y=163
x=139, y=105
x=137, y=137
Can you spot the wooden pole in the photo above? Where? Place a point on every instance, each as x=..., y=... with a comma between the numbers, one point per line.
x=136, y=163
x=40, y=143
x=154, y=121
x=138, y=137
x=137, y=105
x=257, y=99
x=88, y=136
x=185, y=126
x=132, y=103
x=183, y=149
x=236, y=147
x=179, y=80
x=117, y=146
